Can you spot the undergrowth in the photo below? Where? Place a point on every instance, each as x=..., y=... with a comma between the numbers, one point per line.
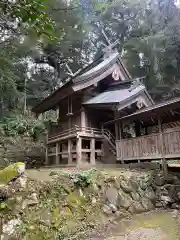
x=17, y=124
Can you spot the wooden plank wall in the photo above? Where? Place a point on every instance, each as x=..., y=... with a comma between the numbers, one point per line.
x=149, y=147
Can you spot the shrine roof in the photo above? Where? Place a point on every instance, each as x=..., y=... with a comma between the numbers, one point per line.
x=115, y=96
x=85, y=77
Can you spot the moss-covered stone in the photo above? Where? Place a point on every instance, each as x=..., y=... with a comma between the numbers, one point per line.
x=11, y=172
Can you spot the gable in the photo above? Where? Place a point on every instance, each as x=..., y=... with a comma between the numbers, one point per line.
x=109, y=66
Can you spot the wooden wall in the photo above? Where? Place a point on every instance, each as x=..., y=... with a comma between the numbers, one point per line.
x=78, y=117
x=150, y=146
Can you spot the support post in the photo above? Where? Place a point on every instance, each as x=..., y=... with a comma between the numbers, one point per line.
x=57, y=153
x=120, y=139
x=164, y=163
x=116, y=131
x=79, y=151
x=93, y=157
x=46, y=157
x=83, y=118
x=116, y=126
x=69, y=151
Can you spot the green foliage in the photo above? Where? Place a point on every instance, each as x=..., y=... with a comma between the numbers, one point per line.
x=31, y=14
x=14, y=125
x=83, y=179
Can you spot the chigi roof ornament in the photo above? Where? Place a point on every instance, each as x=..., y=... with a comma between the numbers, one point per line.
x=109, y=47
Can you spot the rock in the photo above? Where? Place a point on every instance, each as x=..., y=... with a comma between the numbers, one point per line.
x=107, y=210
x=136, y=207
x=150, y=194
x=148, y=179
x=4, y=194
x=143, y=184
x=135, y=196
x=10, y=227
x=11, y=172
x=113, y=207
x=166, y=199
x=161, y=191
x=111, y=195
x=176, y=180
x=159, y=180
x=45, y=217
x=175, y=206
x=66, y=212
x=118, y=214
x=93, y=201
x=53, y=173
x=126, y=186
x=147, y=204
x=33, y=200
x=81, y=192
x=19, y=199
x=175, y=213
x=117, y=183
x=171, y=190
x=124, y=200
x=21, y=181
x=140, y=192
x=159, y=205
x=170, y=179
x=134, y=184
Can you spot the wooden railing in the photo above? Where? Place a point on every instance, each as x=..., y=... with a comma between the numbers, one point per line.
x=110, y=137
x=154, y=146
x=61, y=134
x=57, y=134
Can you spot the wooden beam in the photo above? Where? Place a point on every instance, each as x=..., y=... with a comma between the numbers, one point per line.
x=78, y=151
x=46, y=156
x=93, y=157
x=69, y=151
x=120, y=138
x=164, y=163
x=116, y=126
x=83, y=118
x=57, y=153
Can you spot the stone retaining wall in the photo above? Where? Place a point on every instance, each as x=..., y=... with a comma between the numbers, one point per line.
x=140, y=193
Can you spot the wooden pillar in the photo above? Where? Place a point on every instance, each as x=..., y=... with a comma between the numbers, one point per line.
x=60, y=155
x=93, y=156
x=83, y=118
x=120, y=139
x=79, y=151
x=116, y=131
x=69, y=151
x=57, y=153
x=46, y=157
x=163, y=160
x=116, y=126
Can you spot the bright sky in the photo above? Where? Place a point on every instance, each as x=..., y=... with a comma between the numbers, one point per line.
x=178, y=3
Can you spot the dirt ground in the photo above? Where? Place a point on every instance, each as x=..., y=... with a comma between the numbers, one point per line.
x=156, y=225
x=42, y=174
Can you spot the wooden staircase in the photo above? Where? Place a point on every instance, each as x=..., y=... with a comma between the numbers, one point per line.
x=111, y=140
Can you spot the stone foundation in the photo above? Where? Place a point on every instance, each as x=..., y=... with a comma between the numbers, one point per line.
x=143, y=192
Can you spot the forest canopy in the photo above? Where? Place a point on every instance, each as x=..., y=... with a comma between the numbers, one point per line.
x=40, y=37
